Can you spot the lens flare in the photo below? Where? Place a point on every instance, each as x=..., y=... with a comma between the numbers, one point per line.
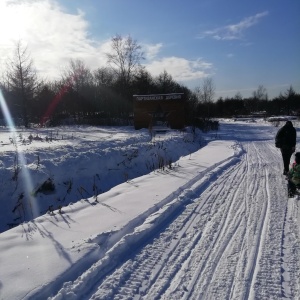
x=31, y=203
x=55, y=102
x=58, y=98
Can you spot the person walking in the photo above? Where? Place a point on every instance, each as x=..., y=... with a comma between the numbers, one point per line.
x=285, y=140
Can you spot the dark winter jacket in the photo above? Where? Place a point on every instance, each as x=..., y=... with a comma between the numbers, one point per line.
x=286, y=136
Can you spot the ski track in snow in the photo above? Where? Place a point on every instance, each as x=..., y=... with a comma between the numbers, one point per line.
x=228, y=234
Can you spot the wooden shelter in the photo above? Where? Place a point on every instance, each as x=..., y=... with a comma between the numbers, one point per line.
x=159, y=110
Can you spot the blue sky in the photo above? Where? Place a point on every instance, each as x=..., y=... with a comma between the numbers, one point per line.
x=239, y=44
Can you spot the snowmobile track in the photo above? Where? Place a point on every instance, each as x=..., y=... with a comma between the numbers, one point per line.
x=223, y=236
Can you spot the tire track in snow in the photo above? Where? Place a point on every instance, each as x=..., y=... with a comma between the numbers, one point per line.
x=261, y=240
x=224, y=243
x=260, y=233
x=185, y=231
x=213, y=252
x=266, y=276
x=290, y=251
x=269, y=275
x=217, y=282
x=172, y=248
x=88, y=281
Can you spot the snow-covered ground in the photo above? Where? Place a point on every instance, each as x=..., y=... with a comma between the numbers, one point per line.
x=42, y=169
x=174, y=217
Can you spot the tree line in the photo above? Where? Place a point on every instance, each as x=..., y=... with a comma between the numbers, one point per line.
x=104, y=96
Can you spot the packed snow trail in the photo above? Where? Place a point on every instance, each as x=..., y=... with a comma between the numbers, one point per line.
x=235, y=236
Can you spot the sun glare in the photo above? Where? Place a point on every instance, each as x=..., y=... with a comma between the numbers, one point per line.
x=12, y=22
x=31, y=203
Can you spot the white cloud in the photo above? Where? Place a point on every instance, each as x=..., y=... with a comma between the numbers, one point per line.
x=234, y=31
x=152, y=50
x=52, y=35
x=181, y=69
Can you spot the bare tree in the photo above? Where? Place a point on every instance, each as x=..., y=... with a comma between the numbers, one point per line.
x=290, y=100
x=143, y=82
x=165, y=83
x=260, y=93
x=103, y=77
x=205, y=93
x=78, y=83
x=125, y=57
x=238, y=96
x=290, y=93
x=22, y=79
x=208, y=90
x=78, y=75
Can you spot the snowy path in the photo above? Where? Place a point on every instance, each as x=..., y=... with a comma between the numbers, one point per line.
x=233, y=236
x=217, y=225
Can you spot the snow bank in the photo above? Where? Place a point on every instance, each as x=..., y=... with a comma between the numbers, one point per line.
x=45, y=169
x=51, y=249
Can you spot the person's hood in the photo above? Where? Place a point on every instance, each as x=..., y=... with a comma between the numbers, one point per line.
x=288, y=124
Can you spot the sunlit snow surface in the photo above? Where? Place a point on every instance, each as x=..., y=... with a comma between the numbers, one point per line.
x=80, y=161
x=213, y=223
